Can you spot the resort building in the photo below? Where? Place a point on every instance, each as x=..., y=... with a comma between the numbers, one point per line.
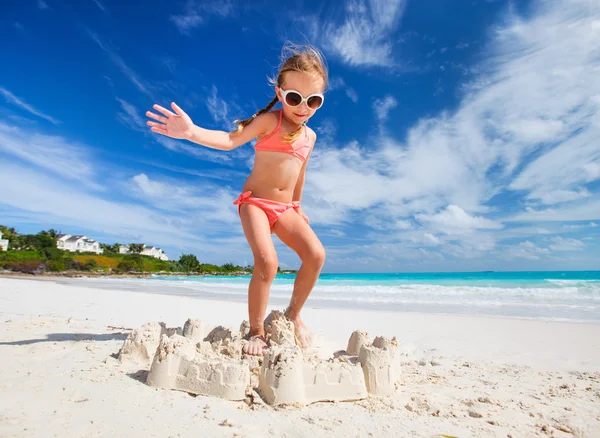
x=151, y=251
x=67, y=242
x=3, y=243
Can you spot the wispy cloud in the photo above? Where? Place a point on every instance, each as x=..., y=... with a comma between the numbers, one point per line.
x=218, y=108
x=229, y=175
x=37, y=182
x=562, y=244
x=525, y=250
x=454, y=220
x=352, y=94
x=382, y=107
x=131, y=117
x=52, y=153
x=527, y=126
x=196, y=13
x=213, y=202
x=11, y=98
x=364, y=36
x=65, y=204
x=42, y=4
x=121, y=64
x=337, y=83
x=100, y=6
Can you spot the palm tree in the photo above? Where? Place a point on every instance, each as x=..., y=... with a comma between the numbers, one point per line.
x=136, y=248
x=51, y=232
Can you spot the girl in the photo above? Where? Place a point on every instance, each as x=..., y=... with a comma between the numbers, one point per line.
x=270, y=200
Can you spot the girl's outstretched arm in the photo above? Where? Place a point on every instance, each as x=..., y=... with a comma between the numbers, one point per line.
x=179, y=125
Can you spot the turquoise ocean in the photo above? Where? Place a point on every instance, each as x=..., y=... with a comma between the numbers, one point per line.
x=559, y=295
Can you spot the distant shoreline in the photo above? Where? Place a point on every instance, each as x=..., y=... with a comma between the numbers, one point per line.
x=79, y=274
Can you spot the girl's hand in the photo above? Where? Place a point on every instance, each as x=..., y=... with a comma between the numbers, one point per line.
x=301, y=213
x=178, y=125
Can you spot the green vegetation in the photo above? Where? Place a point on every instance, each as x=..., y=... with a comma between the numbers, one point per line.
x=37, y=253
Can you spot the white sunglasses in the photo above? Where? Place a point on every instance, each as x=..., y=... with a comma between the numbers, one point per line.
x=294, y=98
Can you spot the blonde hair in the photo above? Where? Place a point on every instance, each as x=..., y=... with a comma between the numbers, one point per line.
x=305, y=59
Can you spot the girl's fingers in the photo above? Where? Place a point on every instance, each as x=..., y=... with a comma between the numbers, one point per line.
x=178, y=110
x=165, y=111
x=156, y=117
x=159, y=130
x=156, y=125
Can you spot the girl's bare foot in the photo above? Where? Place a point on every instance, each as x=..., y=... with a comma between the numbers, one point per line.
x=255, y=346
x=304, y=335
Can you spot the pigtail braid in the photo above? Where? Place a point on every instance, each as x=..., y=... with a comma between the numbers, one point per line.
x=241, y=124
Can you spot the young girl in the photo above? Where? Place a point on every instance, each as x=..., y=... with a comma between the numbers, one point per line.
x=270, y=200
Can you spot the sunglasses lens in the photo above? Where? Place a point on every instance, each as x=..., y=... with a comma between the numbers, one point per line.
x=293, y=99
x=315, y=102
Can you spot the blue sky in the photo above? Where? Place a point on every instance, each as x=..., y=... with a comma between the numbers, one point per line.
x=456, y=135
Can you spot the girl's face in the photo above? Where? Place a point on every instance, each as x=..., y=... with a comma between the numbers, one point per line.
x=306, y=85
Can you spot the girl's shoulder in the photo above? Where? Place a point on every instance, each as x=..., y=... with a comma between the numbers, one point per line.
x=272, y=116
x=269, y=122
x=311, y=134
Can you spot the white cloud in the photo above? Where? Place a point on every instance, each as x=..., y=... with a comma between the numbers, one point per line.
x=218, y=108
x=454, y=220
x=562, y=244
x=42, y=4
x=526, y=250
x=558, y=196
x=11, y=98
x=432, y=239
x=53, y=153
x=352, y=94
x=337, y=83
x=212, y=202
x=65, y=204
x=196, y=12
x=382, y=107
x=186, y=22
x=172, y=213
x=531, y=107
x=576, y=211
x=100, y=6
x=365, y=34
x=131, y=117
x=326, y=132
x=121, y=64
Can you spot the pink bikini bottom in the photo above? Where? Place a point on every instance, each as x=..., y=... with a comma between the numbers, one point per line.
x=273, y=209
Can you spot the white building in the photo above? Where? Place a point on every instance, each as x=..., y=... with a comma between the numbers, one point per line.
x=67, y=242
x=3, y=243
x=151, y=251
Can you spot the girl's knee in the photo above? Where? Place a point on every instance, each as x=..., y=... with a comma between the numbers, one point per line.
x=266, y=266
x=316, y=256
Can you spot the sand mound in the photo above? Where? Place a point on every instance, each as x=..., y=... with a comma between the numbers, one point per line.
x=212, y=363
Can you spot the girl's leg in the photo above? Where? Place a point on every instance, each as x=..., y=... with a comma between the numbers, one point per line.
x=297, y=234
x=258, y=233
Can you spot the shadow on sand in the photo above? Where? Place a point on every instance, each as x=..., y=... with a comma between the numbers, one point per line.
x=72, y=337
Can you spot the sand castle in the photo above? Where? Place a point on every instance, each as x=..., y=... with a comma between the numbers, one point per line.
x=210, y=362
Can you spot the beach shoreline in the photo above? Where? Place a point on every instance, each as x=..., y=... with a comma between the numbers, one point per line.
x=462, y=376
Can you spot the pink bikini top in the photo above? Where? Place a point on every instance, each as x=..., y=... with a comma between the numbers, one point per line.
x=274, y=142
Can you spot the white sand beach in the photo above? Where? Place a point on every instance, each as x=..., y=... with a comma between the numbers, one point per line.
x=460, y=376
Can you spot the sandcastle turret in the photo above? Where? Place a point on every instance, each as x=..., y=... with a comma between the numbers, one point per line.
x=141, y=344
x=356, y=341
x=194, y=329
x=380, y=367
